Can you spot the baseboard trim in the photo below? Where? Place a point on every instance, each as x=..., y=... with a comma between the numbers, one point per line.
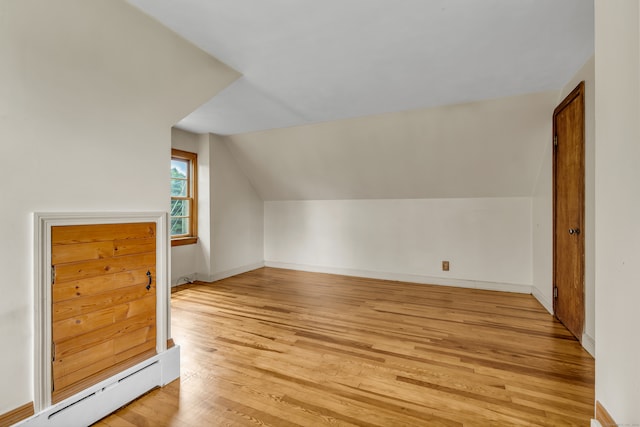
x=23, y=412
x=548, y=305
x=228, y=273
x=589, y=344
x=98, y=401
x=603, y=417
x=411, y=278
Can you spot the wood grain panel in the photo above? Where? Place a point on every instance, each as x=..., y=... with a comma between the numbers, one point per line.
x=280, y=347
x=134, y=246
x=74, y=363
x=97, y=358
x=116, y=330
x=65, y=235
x=134, y=338
x=136, y=349
x=104, y=301
x=75, y=326
x=82, y=252
x=79, y=306
x=78, y=325
x=95, y=285
x=85, y=269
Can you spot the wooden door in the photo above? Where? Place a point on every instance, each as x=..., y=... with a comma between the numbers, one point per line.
x=568, y=250
x=103, y=302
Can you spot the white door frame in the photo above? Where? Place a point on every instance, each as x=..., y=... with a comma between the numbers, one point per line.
x=42, y=285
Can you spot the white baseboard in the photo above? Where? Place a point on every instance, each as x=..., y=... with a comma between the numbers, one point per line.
x=228, y=273
x=100, y=400
x=544, y=301
x=412, y=278
x=589, y=344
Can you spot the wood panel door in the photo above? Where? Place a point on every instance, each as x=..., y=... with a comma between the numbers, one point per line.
x=568, y=212
x=103, y=302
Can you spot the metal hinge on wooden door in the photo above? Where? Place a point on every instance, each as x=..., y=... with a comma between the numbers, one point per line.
x=555, y=292
x=555, y=140
x=53, y=359
x=53, y=274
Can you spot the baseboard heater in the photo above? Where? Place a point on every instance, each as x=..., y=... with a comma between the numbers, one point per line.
x=100, y=400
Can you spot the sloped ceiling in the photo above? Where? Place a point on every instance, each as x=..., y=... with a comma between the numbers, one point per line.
x=309, y=61
x=482, y=149
x=366, y=99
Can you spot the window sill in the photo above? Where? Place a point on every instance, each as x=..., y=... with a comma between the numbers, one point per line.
x=184, y=241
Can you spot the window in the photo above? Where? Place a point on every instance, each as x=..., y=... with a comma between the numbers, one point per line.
x=183, y=198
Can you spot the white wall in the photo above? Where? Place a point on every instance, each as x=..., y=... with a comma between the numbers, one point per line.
x=237, y=215
x=486, y=240
x=543, y=210
x=230, y=214
x=617, y=208
x=434, y=171
x=88, y=93
x=542, y=239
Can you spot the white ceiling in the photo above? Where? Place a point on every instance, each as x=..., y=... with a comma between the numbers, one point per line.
x=308, y=61
x=488, y=148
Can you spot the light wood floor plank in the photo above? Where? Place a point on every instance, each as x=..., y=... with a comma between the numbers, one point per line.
x=279, y=347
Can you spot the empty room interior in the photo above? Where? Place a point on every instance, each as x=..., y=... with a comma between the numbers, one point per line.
x=363, y=212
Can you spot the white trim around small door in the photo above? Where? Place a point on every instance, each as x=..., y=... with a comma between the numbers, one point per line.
x=42, y=288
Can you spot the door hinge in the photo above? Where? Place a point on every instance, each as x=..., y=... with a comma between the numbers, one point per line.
x=555, y=292
x=53, y=359
x=555, y=140
x=53, y=274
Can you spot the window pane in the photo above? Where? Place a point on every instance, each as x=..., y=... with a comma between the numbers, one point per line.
x=183, y=200
x=179, y=226
x=179, y=168
x=179, y=208
x=179, y=188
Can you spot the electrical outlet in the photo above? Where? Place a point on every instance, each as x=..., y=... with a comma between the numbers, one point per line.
x=445, y=265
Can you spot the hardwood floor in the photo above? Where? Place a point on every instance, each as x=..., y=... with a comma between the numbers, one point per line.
x=285, y=348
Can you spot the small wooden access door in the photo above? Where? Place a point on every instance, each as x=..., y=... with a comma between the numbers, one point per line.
x=568, y=211
x=103, y=302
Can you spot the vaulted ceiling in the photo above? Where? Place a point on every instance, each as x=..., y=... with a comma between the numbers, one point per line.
x=488, y=148
x=308, y=61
